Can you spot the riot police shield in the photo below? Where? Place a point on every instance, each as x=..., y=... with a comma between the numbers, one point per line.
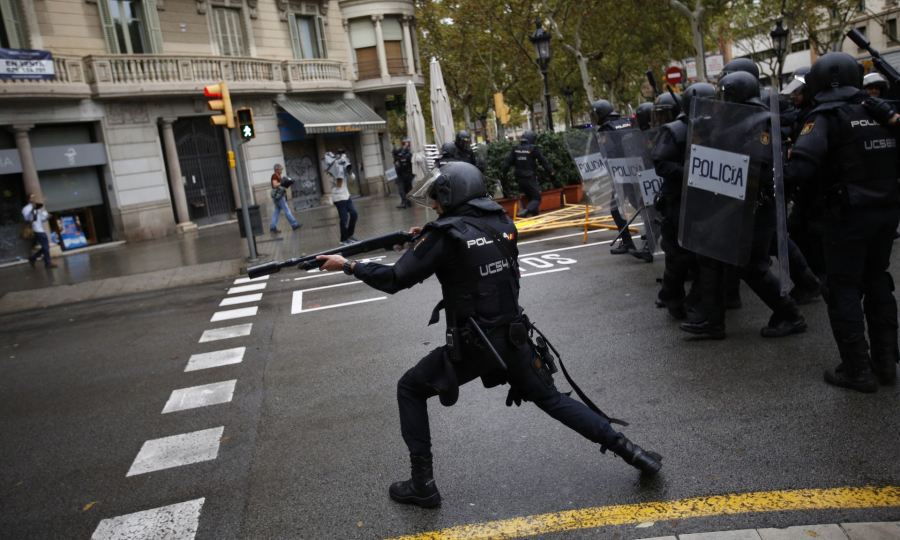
x=729, y=158
x=596, y=182
x=629, y=160
x=781, y=235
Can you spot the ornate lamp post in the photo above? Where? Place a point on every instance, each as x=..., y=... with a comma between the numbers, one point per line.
x=568, y=95
x=541, y=42
x=780, y=43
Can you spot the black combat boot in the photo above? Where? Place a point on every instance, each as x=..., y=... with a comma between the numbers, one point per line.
x=623, y=248
x=420, y=489
x=854, y=371
x=642, y=254
x=704, y=327
x=781, y=327
x=808, y=287
x=524, y=213
x=885, y=354
x=645, y=461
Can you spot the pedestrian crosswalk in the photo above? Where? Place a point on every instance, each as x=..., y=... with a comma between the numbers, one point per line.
x=181, y=521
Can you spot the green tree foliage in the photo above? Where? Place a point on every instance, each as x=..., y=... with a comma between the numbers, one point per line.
x=554, y=149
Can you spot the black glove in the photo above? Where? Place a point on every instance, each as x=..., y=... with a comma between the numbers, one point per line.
x=879, y=109
x=513, y=397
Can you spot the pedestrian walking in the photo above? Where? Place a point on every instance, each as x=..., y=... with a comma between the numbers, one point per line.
x=471, y=248
x=279, y=189
x=340, y=171
x=35, y=214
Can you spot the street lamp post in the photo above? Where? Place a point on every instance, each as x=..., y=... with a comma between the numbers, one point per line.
x=484, y=129
x=569, y=94
x=541, y=42
x=780, y=42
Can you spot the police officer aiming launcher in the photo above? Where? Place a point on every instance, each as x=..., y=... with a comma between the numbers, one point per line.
x=525, y=157
x=471, y=248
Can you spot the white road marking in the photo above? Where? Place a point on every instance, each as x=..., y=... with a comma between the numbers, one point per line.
x=297, y=302
x=232, y=300
x=234, y=314
x=247, y=288
x=226, y=333
x=557, y=250
x=173, y=522
x=319, y=273
x=248, y=279
x=215, y=359
x=177, y=450
x=594, y=231
x=200, y=396
x=530, y=274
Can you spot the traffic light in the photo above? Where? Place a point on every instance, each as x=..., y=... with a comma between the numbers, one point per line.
x=501, y=109
x=222, y=104
x=245, y=123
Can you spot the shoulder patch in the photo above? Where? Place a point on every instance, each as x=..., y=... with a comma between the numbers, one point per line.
x=765, y=139
x=602, y=138
x=425, y=243
x=807, y=128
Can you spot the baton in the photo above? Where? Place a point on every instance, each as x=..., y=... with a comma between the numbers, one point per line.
x=487, y=342
x=625, y=228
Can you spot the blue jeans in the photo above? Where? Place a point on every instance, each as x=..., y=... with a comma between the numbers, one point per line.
x=344, y=208
x=45, y=248
x=281, y=206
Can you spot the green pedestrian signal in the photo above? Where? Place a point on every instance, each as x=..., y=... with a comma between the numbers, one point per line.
x=245, y=123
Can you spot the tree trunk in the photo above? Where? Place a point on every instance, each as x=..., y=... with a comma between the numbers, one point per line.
x=697, y=39
x=585, y=76
x=466, y=115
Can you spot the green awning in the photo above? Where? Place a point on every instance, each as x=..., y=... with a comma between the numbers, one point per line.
x=336, y=116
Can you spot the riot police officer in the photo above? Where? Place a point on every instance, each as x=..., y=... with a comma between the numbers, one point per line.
x=605, y=117
x=488, y=334
x=743, y=88
x=669, y=149
x=854, y=158
x=464, y=151
x=448, y=154
x=403, y=166
x=643, y=116
x=525, y=157
x=876, y=85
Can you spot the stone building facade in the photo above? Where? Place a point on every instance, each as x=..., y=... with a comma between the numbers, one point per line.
x=122, y=124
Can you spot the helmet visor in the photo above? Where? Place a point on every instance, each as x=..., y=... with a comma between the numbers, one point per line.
x=424, y=193
x=794, y=86
x=662, y=115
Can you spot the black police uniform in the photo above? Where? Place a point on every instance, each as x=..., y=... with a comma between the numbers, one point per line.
x=669, y=149
x=806, y=221
x=474, y=255
x=855, y=160
x=786, y=317
x=525, y=157
x=443, y=160
x=616, y=124
x=466, y=155
x=403, y=166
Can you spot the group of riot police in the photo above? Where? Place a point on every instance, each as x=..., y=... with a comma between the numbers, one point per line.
x=841, y=201
x=458, y=150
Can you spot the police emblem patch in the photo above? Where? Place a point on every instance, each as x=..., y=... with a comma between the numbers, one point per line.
x=649, y=144
x=603, y=138
x=807, y=128
x=764, y=139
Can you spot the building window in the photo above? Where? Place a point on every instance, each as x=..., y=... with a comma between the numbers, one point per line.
x=229, y=31
x=892, y=28
x=127, y=20
x=394, y=48
x=861, y=30
x=308, y=37
x=800, y=46
x=12, y=35
x=362, y=38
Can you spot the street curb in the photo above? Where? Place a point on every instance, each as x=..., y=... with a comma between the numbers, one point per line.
x=105, y=288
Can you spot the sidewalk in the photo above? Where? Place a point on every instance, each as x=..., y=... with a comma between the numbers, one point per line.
x=844, y=531
x=205, y=255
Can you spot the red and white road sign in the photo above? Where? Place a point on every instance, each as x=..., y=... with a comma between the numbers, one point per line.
x=673, y=75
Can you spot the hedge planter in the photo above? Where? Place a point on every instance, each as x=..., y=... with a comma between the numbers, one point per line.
x=510, y=205
x=550, y=200
x=574, y=193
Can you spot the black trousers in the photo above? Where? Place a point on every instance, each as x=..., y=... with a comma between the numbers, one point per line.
x=404, y=186
x=416, y=387
x=807, y=230
x=857, y=252
x=529, y=186
x=679, y=262
x=756, y=274
x=619, y=220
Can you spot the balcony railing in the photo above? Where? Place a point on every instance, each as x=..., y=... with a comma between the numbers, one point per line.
x=69, y=81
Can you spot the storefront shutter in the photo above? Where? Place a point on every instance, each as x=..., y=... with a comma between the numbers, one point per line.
x=12, y=20
x=362, y=33
x=109, y=27
x=154, y=31
x=323, y=43
x=295, y=36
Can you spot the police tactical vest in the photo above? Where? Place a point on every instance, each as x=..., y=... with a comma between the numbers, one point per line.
x=615, y=125
x=861, y=166
x=443, y=161
x=404, y=163
x=526, y=164
x=484, y=284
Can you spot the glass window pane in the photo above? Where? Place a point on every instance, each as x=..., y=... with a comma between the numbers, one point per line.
x=131, y=9
x=306, y=39
x=114, y=9
x=137, y=38
x=120, y=36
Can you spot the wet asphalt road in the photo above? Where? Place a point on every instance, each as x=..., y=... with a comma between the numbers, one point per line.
x=311, y=436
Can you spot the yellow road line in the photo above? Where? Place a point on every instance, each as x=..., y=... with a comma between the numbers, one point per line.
x=742, y=503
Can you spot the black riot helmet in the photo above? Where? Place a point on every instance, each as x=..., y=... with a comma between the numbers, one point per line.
x=529, y=136
x=697, y=90
x=876, y=80
x=643, y=116
x=666, y=108
x=448, y=149
x=741, y=64
x=462, y=140
x=738, y=87
x=452, y=185
x=834, y=70
x=601, y=111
